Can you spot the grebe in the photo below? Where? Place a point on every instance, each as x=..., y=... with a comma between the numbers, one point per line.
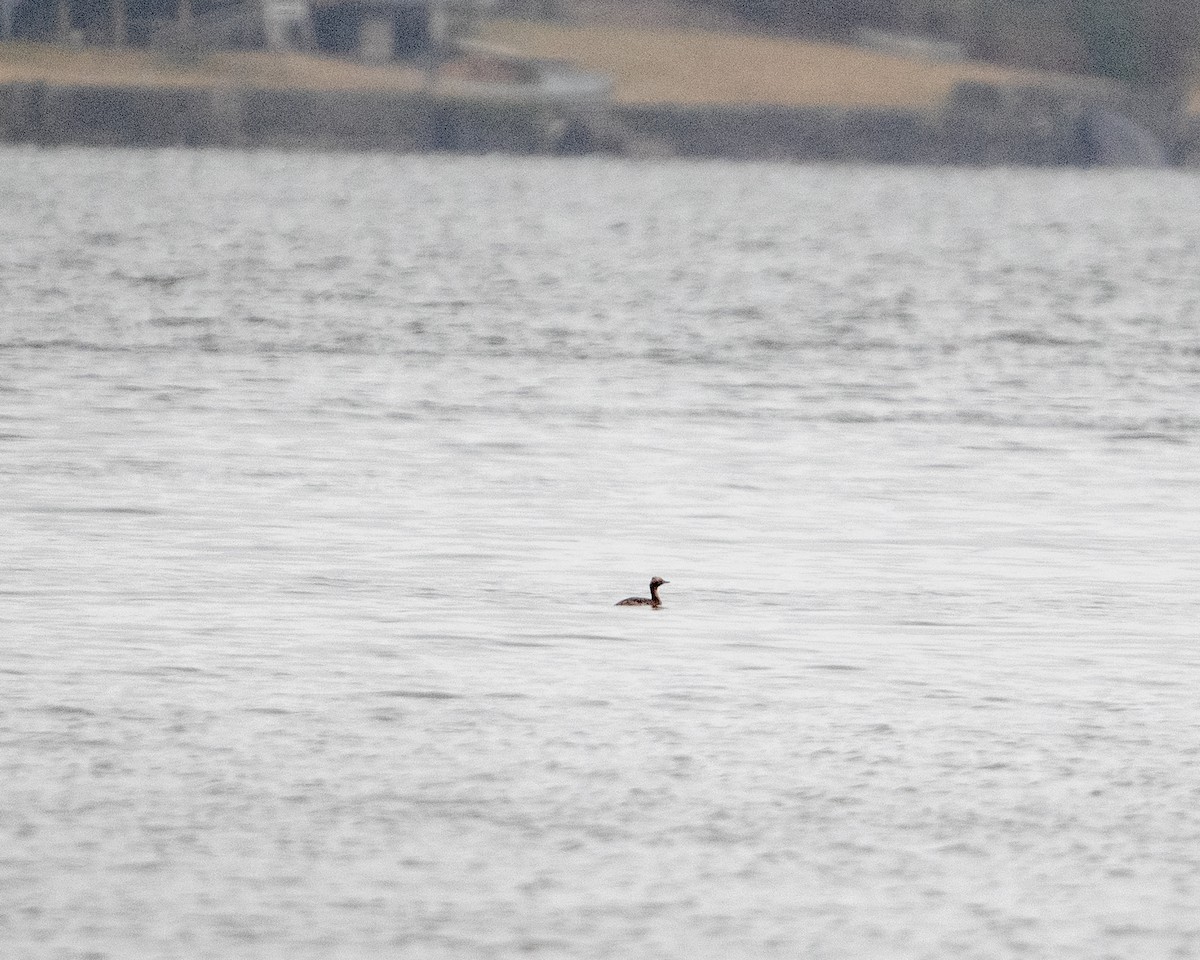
x=651, y=601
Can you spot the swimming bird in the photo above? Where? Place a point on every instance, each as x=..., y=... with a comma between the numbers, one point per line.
x=650, y=601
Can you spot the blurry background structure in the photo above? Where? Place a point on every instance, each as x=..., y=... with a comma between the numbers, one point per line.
x=1154, y=40
x=980, y=81
x=378, y=30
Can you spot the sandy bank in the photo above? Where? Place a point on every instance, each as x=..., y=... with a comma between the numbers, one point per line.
x=695, y=67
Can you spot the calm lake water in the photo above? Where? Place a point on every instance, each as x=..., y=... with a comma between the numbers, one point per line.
x=320, y=475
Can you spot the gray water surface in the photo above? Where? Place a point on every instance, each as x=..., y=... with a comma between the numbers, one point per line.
x=319, y=476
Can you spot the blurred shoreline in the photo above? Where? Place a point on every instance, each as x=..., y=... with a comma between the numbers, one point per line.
x=662, y=93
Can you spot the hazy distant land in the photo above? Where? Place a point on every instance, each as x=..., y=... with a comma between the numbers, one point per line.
x=656, y=68
x=656, y=65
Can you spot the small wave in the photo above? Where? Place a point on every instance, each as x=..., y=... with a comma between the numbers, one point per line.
x=419, y=694
x=68, y=343
x=172, y=321
x=163, y=281
x=136, y=866
x=66, y=710
x=103, y=238
x=745, y=312
x=770, y=344
x=100, y=511
x=333, y=262
x=1030, y=338
x=590, y=636
x=453, y=304
x=859, y=416
x=670, y=356
x=1135, y=436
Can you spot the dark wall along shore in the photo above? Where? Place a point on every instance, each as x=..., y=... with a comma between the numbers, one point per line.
x=980, y=125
